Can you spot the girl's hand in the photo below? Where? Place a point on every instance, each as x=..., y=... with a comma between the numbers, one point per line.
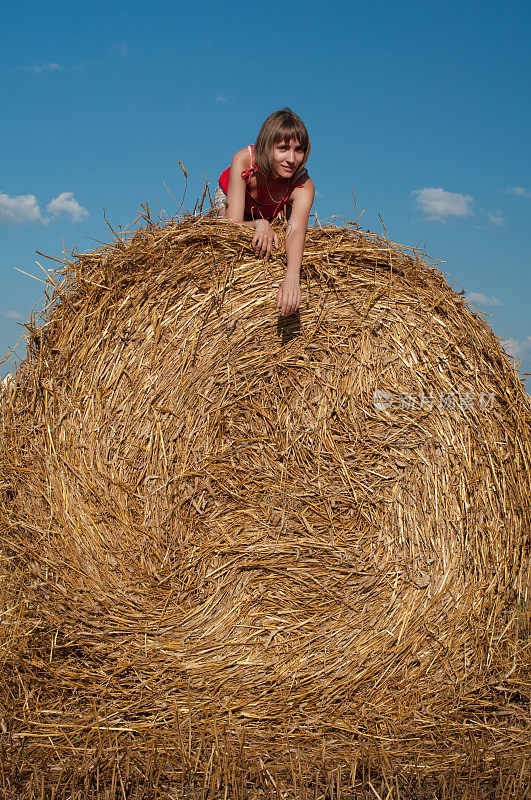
x=289, y=295
x=263, y=240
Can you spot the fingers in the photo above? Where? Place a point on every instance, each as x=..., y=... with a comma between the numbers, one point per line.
x=262, y=246
x=263, y=240
x=291, y=306
x=288, y=301
x=259, y=247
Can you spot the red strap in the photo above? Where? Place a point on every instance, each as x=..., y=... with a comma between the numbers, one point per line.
x=247, y=173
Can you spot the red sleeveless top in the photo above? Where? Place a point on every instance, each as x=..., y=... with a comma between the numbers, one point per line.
x=257, y=208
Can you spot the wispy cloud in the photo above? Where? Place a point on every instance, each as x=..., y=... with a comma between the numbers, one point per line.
x=518, y=191
x=516, y=348
x=223, y=98
x=22, y=209
x=439, y=205
x=495, y=218
x=51, y=66
x=481, y=299
x=13, y=315
x=67, y=205
x=121, y=48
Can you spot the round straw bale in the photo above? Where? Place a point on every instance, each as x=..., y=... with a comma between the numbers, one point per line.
x=314, y=530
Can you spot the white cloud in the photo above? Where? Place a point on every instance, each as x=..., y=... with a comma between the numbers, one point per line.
x=52, y=66
x=22, y=209
x=223, y=98
x=13, y=315
x=516, y=348
x=65, y=203
x=439, y=205
x=481, y=299
x=496, y=218
x=518, y=191
x=122, y=48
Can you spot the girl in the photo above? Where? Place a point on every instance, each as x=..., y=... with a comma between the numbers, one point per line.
x=265, y=179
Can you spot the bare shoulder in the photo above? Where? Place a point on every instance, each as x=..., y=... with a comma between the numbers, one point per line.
x=241, y=159
x=305, y=187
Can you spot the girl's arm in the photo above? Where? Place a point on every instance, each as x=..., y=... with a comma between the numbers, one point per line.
x=264, y=237
x=289, y=294
x=236, y=188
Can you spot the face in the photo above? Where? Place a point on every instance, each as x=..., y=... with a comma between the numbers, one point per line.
x=287, y=158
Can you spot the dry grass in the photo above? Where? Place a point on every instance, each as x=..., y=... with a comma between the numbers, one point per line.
x=226, y=573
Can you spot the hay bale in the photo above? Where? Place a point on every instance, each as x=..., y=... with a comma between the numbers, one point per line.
x=265, y=550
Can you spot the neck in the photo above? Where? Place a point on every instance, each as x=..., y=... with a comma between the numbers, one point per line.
x=278, y=179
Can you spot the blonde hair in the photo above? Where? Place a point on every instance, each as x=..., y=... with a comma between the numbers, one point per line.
x=281, y=126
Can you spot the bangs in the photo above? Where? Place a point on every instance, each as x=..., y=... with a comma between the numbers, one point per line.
x=288, y=132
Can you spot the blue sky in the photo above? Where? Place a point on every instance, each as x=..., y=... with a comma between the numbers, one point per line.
x=421, y=109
